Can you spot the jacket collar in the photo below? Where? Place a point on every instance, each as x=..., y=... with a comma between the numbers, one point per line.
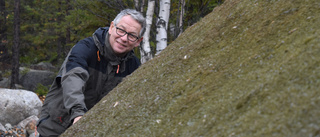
x=104, y=47
x=113, y=59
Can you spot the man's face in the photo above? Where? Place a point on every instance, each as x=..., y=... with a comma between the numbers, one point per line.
x=120, y=44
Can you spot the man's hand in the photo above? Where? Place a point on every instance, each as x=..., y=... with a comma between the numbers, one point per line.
x=76, y=119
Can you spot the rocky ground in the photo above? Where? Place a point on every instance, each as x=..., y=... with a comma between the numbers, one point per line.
x=18, y=131
x=15, y=132
x=19, y=111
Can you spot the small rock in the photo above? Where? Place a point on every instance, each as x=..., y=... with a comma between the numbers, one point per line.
x=8, y=126
x=34, y=135
x=2, y=128
x=29, y=124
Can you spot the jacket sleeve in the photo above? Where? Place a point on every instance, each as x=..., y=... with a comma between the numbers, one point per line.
x=74, y=78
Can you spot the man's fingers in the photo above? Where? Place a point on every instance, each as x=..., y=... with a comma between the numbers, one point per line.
x=76, y=119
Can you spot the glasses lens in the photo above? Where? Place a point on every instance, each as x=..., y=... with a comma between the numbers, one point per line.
x=132, y=37
x=121, y=32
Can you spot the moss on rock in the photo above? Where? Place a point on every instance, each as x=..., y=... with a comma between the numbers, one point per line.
x=249, y=68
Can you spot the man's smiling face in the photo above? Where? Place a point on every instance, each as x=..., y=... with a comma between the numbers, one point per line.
x=120, y=44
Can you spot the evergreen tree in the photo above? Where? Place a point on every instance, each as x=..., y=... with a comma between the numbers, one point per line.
x=16, y=47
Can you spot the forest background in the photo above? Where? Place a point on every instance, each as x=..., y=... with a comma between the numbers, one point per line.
x=34, y=31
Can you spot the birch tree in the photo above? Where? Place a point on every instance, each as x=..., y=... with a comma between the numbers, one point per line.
x=142, y=6
x=183, y=3
x=162, y=25
x=145, y=50
x=136, y=4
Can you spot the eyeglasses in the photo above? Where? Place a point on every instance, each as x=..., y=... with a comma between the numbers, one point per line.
x=130, y=36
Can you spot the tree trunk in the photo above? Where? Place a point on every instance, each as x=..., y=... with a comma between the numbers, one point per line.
x=183, y=3
x=61, y=38
x=68, y=31
x=136, y=4
x=176, y=28
x=142, y=6
x=15, y=47
x=3, y=33
x=162, y=25
x=145, y=50
x=3, y=20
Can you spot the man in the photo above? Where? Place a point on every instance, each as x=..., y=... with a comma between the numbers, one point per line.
x=93, y=67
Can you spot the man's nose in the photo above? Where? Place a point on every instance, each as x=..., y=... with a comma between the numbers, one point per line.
x=124, y=37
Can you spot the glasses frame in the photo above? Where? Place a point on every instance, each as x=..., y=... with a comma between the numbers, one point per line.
x=126, y=33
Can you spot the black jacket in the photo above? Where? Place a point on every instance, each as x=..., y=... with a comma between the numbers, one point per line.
x=89, y=72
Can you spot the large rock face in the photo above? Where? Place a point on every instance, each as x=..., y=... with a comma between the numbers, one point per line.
x=250, y=68
x=17, y=105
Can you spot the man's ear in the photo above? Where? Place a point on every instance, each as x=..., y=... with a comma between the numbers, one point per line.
x=138, y=42
x=111, y=27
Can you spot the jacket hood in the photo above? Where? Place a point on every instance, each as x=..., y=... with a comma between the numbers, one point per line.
x=99, y=38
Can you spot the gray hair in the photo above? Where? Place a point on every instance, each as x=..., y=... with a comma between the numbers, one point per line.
x=135, y=15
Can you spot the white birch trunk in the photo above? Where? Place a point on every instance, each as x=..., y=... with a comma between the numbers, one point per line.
x=162, y=25
x=142, y=5
x=136, y=4
x=145, y=51
x=183, y=3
